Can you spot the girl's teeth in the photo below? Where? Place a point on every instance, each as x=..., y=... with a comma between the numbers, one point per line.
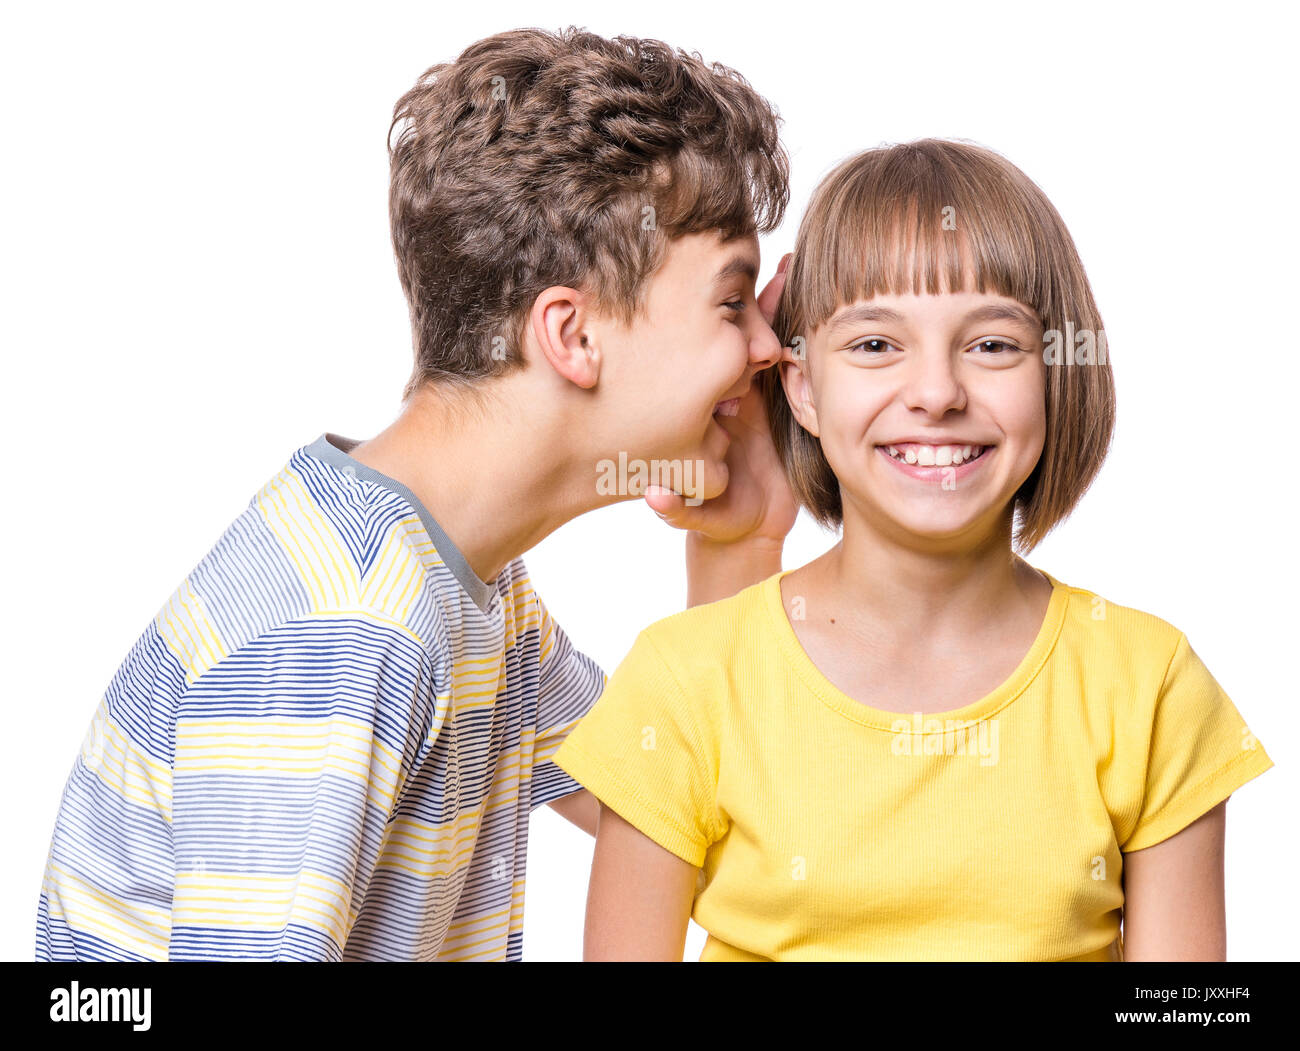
x=936, y=455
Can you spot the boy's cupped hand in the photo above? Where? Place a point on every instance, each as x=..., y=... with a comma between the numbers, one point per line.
x=757, y=503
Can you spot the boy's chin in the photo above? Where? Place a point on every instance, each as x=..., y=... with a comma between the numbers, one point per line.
x=689, y=471
x=708, y=478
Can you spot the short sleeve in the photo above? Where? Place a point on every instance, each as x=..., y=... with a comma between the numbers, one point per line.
x=569, y=684
x=1201, y=751
x=647, y=751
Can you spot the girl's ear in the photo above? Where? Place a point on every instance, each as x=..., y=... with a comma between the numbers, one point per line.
x=798, y=387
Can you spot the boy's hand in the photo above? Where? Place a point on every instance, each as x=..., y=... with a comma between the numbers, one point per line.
x=757, y=504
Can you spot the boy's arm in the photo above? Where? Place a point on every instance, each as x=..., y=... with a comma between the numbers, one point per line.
x=246, y=840
x=639, y=898
x=290, y=754
x=107, y=889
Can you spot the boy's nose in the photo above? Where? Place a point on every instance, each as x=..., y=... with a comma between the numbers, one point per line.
x=764, y=348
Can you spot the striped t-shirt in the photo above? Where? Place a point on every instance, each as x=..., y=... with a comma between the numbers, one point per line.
x=326, y=745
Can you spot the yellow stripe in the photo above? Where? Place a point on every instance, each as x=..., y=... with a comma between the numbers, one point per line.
x=188, y=633
x=205, y=630
x=496, y=950
x=123, y=768
x=142, y=929
x=327, y=541
x=344, y=736
x=406, y=600
x=369, y=613
x=469, y=925
x=280, y=525
x=485, y=660
x=280, y=900
x=376, y=584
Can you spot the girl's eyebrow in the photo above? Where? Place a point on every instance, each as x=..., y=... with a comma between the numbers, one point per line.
x=853, y=315
x=1003, y=312
x=993, y=312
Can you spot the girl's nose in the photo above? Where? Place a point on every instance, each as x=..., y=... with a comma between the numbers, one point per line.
x=933, y=385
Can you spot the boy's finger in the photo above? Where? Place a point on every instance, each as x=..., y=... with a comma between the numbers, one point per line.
x=665, y=503
x=771, y=294
x=674, y=510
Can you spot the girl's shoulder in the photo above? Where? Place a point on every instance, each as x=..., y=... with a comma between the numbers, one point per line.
x=714, y=632
x=1110, y=636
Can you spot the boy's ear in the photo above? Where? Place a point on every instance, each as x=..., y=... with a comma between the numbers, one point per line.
x=561, y=326
x=798, y=389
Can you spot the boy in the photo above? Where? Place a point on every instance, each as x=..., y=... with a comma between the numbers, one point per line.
x=327, y=744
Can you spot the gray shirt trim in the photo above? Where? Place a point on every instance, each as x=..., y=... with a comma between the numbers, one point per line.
x=332, y=449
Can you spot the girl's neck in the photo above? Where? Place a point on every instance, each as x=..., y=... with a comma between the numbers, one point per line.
x=919, y=593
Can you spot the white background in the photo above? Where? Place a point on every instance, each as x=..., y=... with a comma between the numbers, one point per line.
x=197, y=280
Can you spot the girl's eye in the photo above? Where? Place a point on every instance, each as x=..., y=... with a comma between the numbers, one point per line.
x=993, y=346
x=873, y=346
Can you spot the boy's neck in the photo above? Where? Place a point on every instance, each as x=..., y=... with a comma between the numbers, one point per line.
x=498, y=475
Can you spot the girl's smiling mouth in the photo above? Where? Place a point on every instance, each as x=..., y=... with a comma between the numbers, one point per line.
x=933, y=462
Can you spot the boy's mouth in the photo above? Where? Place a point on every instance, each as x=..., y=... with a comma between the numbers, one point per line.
x=921, y=455
x=730, y=407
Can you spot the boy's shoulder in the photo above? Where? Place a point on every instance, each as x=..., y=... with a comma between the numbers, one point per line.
x=313, y=543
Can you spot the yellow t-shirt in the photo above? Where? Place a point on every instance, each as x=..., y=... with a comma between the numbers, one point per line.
x=828, y=830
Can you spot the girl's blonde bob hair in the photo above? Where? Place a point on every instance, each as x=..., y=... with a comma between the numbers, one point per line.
x=935, y=216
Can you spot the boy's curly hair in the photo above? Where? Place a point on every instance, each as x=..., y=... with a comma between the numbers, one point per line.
x=539, y=159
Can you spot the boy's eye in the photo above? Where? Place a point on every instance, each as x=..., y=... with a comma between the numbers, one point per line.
x=873, y=346
x=735, y=304
x=993, y=346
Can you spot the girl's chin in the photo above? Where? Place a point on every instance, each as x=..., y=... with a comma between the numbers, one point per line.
x=926, y=518
x=934, y=532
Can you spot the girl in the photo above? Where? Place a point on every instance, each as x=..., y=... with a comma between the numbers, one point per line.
x=918, y=746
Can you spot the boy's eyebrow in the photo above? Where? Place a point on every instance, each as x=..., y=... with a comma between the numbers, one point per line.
x=740, y=264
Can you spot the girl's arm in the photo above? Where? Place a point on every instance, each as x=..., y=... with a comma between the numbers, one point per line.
x=1173, y=895
x=640, y=896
